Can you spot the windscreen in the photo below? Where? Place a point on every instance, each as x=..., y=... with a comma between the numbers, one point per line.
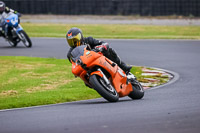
x=77, y=52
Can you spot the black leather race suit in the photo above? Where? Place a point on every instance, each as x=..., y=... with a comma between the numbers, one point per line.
x=109, y=53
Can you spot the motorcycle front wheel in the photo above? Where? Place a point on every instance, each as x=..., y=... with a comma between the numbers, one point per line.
x=107, y=92
x=25, y=39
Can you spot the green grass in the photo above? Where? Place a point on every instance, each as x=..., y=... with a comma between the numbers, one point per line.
x=27, y=81
x=31, y=81
x=115, y=31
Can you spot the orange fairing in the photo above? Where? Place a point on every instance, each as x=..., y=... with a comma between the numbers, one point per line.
x=76, y=69
x=90, y=59
x=120, y=84
x=97, y=73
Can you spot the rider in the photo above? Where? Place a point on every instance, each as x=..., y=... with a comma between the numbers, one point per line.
x=75, y=38
x=3, y=13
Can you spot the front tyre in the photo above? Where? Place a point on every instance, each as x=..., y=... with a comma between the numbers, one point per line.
x=25, y=39
x=107, y=92
x=138, y=91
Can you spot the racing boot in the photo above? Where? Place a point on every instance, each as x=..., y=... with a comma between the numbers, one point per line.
x=111, y=54
x=124, y=67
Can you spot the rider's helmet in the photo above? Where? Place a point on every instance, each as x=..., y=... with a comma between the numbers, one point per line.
x=2, y=6
x=74, y=37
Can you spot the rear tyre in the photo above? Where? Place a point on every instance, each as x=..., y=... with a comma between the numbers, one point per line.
x=100, y=86
x=138, y=91
x=25, y=39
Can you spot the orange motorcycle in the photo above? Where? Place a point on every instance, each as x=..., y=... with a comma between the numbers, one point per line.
x=103, y=75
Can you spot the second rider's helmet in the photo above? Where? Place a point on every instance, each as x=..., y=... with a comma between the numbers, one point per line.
x=2, y=6
x=74, y=37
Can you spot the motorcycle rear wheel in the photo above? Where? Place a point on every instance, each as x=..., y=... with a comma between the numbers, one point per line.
x=138, y=90
x=100, y=86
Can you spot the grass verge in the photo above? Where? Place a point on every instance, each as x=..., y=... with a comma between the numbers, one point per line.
x=31, y=81
x=28, y=81
x=115, y=31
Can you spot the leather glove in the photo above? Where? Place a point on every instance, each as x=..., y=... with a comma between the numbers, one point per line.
x=103, y=47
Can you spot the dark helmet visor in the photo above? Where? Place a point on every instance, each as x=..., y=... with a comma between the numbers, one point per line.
x=74, y=41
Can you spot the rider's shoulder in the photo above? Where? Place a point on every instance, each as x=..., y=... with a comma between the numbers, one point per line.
x=88, y=38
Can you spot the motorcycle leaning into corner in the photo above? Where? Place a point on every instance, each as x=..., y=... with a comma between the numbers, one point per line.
x=103, y=75
x=13, y=31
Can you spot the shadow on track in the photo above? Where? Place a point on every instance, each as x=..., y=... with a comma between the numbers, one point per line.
x=9, y=47
x=101, y=101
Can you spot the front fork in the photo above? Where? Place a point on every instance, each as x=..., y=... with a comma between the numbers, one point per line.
x=104, y=77
x=17, y=30
x=107, y=82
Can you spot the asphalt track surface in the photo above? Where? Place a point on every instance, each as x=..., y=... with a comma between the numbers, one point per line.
x=173, y=108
